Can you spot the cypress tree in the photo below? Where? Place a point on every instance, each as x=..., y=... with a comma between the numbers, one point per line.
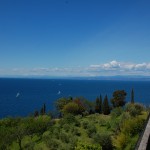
x=36, y=113
x=106, y=108
x=97, y=105
x=44, y=108
x=100, y=104
x=42, y=111
x=132, y=96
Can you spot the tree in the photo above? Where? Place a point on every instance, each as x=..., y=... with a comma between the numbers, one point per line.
x=6, y=137
x=42, y=111
x=71, y=108
x=100, y=104
x=118, y=98
x=106, y=108
x=20, y=132
x=60, y=103
x=75, y=107
x=36, y=113
x=97, y=110
x=44, y=108
x=132, y=96
x=81, y=107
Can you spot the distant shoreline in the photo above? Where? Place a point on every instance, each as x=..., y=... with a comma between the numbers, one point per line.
x=109, y=78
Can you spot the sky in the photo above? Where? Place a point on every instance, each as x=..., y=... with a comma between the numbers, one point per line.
x=74, y=37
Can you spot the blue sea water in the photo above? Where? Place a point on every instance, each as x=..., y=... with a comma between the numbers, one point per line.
x=20, y=97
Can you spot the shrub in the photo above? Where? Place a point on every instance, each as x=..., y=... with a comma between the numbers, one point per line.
x=104, y=139
x=85, y=113
x=102, y=122
x=133, y=126
x=116, y=112
x=86, y=146
x=53, y=143
x=71, y=108
x=75, y=131
x=64, y=137
x=66, y=127
x=68, y=119
x=85, y=124
x=91, y=130
x=134, y=109
x=121, y=141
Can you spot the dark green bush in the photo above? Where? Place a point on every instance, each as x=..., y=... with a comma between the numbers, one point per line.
x=116, y=112
x=53, y=143
x=133, y=126
x=91, y=130
x=104, y=139
x=75, y=131
x=85, y=124
x=87, y=146
x=66, y=127
x=134, y=109
x=64, y=137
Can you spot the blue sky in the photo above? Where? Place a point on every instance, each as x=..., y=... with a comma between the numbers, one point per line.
x=74, y=37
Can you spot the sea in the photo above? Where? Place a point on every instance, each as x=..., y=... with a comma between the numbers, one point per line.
x=21, y=97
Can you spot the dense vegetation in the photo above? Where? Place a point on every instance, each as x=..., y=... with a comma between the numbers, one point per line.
x=81, y=125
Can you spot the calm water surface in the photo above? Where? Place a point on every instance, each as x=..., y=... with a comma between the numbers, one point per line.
x=20, y=97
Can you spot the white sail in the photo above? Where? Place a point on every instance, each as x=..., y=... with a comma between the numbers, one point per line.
x=18, y=94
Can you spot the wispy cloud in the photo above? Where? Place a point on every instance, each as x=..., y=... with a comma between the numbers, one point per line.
x=106, y=69
x=122, y=68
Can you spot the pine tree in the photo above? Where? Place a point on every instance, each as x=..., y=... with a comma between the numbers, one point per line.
x=42, y=111
x=36, y=113
x=97, y=110
x=132, y=96
x=44, y=108
x=100, y=104
x=106, y=108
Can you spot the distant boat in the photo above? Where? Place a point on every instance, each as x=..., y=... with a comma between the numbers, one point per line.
x=59, y=92
x=17, y=95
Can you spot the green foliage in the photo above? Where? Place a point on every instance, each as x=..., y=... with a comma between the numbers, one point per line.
x=60, y=103
x=52, y=143
x=91, y=130
x=116, y=112
x=121, y=141
x=6, y=137
x=86, y=146
x=81, y=107
x=106, y=108
x=104, y=139
x=129, y=129
x=133, y=126
x=68, y=119
x=132, y=96
x=98, y=105
x=71, y=108
x=118, y=98
x=85, y=124
x=36, y=113
x=97, y=110
x=88, y=105
x=64, y=137
x=74, y=131
x=134, y=109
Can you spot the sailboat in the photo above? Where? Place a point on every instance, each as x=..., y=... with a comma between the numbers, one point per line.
x=17, y=95
x=59, y=92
